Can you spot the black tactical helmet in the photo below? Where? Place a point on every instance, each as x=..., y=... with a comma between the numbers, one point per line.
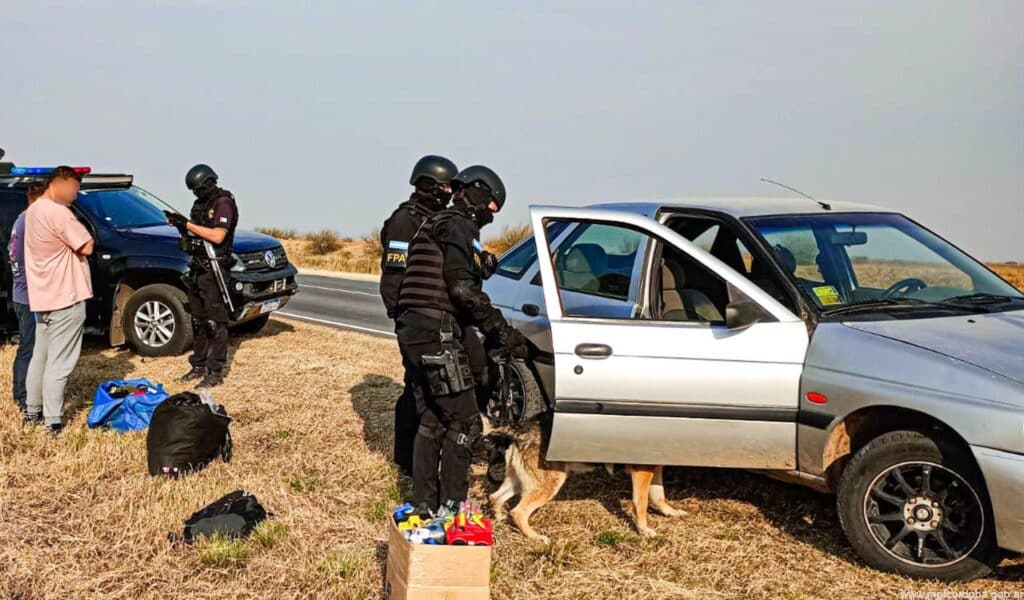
x=482, y=174
x=438, y=168
x=199, y=175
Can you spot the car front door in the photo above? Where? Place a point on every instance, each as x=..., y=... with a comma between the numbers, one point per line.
x=671, y=385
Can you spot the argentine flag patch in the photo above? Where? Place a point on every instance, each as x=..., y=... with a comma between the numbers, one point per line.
x=398, y=251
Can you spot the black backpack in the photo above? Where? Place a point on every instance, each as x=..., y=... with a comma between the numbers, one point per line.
x=186, y=434
x=234, y=516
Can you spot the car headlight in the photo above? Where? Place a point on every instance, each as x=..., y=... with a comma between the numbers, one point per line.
x=237, y=266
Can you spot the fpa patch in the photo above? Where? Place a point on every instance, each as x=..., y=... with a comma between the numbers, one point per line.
x=398, y=252
x=827, y=294
x=478, y=250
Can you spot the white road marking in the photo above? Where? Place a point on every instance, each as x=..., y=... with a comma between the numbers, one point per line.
x=330, y=289
x=336, y=323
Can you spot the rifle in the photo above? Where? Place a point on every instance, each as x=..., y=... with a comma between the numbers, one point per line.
x=218, y=274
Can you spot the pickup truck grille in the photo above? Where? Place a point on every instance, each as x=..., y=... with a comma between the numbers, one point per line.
x=257, y=261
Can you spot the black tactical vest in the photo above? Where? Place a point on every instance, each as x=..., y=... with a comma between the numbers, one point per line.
x=423, y=285
x=202, y=214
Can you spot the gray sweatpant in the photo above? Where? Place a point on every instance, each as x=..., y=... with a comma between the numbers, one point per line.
x=58, y=346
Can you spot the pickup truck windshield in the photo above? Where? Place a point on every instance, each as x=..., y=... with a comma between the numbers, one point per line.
x=124, y=208
x=847, y=262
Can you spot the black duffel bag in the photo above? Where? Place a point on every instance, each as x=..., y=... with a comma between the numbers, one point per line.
x=185, y=434
x=232, y=517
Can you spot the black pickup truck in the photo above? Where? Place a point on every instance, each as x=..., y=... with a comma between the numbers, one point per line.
x=139, y=297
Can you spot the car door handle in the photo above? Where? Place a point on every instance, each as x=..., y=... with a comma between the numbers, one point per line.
x=530, y=310
x=593, y=350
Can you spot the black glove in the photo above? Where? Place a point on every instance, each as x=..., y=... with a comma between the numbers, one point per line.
x=178, y=221
x=511, y=341
x=489, y=264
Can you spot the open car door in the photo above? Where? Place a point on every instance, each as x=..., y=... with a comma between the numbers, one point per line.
x=672, y=384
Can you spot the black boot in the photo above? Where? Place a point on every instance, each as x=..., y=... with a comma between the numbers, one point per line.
x=212, y=379
x=194, y=373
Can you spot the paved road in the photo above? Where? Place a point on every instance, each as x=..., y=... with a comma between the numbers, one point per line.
x=344, y=303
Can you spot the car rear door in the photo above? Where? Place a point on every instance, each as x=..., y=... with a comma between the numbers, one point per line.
x=644, y=390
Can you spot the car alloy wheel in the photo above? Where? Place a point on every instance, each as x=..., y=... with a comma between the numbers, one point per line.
x=924, y=514
x=154, y=323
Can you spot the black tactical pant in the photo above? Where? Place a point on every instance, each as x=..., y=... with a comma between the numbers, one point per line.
x=407, y=415
x=448, y=423
x=210, y=319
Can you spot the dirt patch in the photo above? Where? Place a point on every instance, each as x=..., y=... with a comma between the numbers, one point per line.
x=81, y=518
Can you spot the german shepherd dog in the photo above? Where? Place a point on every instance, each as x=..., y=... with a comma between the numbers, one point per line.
x=536, y=481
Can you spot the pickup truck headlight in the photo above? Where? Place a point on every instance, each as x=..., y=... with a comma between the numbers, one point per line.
x=237, y=266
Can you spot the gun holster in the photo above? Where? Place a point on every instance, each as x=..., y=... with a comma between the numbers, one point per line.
x=448, y=372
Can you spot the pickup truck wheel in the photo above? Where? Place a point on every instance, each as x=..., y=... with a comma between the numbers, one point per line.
x=156, y=322
x=252, y=326
x=911, y=504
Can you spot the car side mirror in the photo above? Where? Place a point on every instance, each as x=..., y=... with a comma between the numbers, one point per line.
x=742, y=313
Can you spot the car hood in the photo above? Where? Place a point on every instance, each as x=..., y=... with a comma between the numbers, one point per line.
x=992, y=341
x=245, y=241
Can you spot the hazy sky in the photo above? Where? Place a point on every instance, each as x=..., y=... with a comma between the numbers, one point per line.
x=314, y=112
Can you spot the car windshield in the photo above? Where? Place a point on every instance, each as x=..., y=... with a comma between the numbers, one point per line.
x=845, y=261
x=124, y=208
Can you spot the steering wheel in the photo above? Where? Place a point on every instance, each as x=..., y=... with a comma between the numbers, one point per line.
x=904, y=287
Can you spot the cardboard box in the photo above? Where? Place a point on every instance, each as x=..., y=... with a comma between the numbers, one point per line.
x=425, y=572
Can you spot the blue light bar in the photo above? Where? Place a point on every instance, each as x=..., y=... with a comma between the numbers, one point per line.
x=45, y=170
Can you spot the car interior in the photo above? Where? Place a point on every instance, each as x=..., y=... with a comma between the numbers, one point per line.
x=720, y=240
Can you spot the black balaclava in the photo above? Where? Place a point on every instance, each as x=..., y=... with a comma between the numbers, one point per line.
x=209, y=188
x=474, y=199
x=431, y=194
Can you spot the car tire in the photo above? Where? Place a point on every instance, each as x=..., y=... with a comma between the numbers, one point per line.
x=251, y=327
x=171, y=334
x=905, y=485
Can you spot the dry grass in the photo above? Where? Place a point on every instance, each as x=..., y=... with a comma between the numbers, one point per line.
x=1012, y=272
x=509, y=236
x=277, y=232
x=81, y=518
x=325, y=251
x=351, y=256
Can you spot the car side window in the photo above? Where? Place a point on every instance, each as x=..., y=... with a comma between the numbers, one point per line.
x=598, y=260
x=516, y=262
x=595, y=269
x=685, y=290
x=720, y=240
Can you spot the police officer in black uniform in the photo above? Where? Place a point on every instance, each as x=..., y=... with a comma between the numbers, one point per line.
x=432, y=178
x=440, y=297
x=211, y=224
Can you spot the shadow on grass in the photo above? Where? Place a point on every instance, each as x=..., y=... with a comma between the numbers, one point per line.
x=803, y=514
x=374, y=401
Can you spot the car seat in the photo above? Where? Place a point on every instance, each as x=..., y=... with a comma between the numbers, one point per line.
x=679, y=303
x=582, y=266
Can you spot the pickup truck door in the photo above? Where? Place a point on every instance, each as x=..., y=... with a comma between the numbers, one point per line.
x=643, y=391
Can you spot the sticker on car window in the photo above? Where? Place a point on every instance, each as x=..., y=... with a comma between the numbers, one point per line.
x=827, y=294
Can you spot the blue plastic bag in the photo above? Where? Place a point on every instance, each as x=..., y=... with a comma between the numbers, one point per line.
x=130, y=413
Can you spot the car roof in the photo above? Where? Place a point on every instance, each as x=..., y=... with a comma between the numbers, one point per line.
x=740, y=206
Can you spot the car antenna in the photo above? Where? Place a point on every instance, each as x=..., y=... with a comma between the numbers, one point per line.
x=821, y=203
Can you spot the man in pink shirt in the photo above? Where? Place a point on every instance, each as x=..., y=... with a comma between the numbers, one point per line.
x=56, y=247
